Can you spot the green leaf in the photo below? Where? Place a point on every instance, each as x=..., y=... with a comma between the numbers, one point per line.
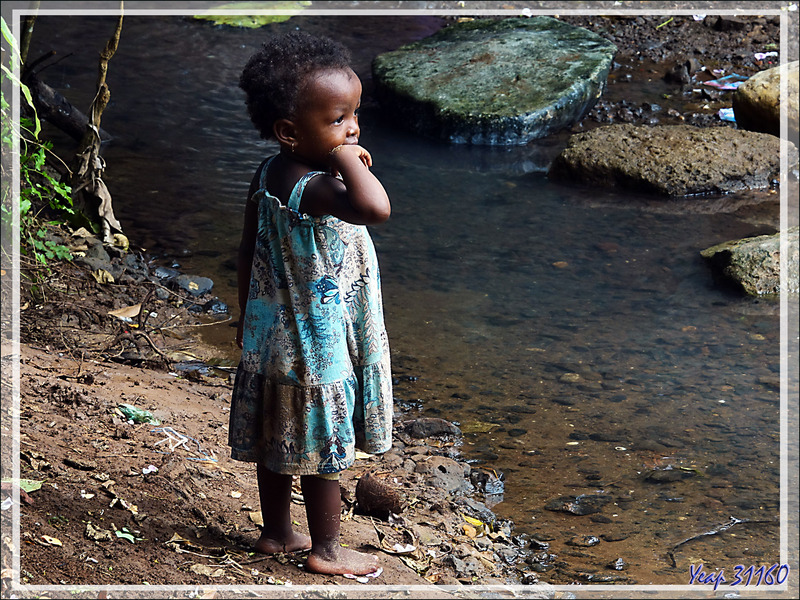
x=28, y=485
x=12, y=41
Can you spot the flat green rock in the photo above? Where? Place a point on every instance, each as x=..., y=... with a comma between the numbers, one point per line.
x=497, y=82
x=219, y=15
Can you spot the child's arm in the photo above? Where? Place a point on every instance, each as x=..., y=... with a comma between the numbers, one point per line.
x=359, y=198
x=244, y=261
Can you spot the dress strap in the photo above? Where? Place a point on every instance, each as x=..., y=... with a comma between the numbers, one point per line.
x=299, y=188
x=262, y=180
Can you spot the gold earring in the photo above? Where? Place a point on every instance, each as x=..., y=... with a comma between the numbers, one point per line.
x=292, y=147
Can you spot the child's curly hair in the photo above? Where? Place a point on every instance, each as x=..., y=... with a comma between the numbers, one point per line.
x=273, y=77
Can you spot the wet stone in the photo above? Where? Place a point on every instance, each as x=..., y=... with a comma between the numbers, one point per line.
x=607, y=436
x=590, y=386
x=194, y=284
x=216, y=307
x=614, y=537
x=600, y=519
x=429, y=427
x=649, y=445
x=564, y=401
x=488, y=482
x=584, y=504
x=669, y=475
x=617, y=565
x=584, y=541
x=528, y=410
x=166, y=273
x=502, y=82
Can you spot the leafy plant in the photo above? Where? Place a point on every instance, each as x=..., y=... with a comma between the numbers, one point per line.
x=38, y=189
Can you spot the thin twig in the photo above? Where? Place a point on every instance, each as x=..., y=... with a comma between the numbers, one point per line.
x=719, y=529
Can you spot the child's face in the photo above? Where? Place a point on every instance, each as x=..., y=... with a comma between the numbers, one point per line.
x=328, y=114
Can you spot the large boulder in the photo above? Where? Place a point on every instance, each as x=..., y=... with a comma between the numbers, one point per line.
x=757, y=102
x=494, y=82
x=754, y=263
x=671, y=160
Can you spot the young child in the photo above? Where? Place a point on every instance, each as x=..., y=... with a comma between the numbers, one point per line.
x=314, y=380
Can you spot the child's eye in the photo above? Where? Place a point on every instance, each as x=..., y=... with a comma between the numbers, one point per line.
x=340, y=120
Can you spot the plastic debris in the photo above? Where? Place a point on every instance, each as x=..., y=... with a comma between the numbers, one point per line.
x=7, y=503
x=126, y=534
x=149, y=469
x=137, y=415
x=698, y=17
x=727, y=83
x=175, y=440
x=763, y=55
x=52, y=541
x=365, y=578
x=726, y=114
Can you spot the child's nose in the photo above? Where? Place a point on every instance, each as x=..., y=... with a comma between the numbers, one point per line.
x=352, y=127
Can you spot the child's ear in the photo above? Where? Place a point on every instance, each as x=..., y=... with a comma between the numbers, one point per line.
x=285, y=132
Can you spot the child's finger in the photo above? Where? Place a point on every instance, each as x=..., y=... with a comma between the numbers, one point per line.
x=366, y=158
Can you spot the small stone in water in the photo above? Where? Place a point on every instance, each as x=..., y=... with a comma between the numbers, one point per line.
x=584, y=541
x=618, y=564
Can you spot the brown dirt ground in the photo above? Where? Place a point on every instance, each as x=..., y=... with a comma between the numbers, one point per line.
x=189, y=523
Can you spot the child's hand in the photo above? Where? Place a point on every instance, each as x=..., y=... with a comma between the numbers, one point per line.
x=356, y=196
x=341, y=155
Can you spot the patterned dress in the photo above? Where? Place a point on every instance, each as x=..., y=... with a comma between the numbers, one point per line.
x=314, y=381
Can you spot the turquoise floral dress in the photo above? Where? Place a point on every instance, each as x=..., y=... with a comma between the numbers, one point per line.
x=314, y=381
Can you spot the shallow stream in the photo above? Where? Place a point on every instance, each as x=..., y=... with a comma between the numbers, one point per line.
x=575, y=335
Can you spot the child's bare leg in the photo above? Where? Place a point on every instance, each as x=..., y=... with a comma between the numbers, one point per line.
x=277, y=535
x=323, y=509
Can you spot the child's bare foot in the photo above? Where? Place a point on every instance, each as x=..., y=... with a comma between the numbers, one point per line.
x=342, y=561
x=294, y=543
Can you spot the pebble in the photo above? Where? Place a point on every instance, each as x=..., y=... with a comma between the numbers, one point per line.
x=617, y=565
x=600, y=519
x=606, y=436
x=584, y=541
x=669, y=475
x=584, y=504
x=614, y=537
x=195, y=285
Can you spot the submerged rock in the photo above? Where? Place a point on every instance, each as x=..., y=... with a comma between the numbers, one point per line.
x=671, y=160
x=430, y=427
x=754, y=263
x=495, y=82
x=585, y=504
